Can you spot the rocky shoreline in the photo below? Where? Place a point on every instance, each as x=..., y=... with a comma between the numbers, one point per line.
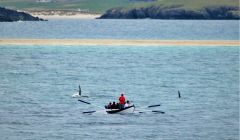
x=8, y=15
x=174, y=12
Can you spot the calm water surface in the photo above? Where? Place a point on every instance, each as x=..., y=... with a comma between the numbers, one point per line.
x=37, y=82
x=124, y=29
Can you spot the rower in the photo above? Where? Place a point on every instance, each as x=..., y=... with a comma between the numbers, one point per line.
x=109, y=105
x=114, y=106
x=127, y=104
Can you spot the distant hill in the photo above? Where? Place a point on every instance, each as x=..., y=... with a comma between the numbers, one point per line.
x=100, y=6
x=178, y=9
x=174, y=12
x=201, y=9
x=8, y=15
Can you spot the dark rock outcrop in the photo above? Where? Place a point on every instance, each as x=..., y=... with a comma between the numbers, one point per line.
x=8, y=15
x=174, y=12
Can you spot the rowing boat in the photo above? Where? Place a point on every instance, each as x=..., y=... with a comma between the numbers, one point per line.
x=125, y=110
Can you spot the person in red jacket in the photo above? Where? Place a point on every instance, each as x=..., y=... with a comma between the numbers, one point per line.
x=121, y=101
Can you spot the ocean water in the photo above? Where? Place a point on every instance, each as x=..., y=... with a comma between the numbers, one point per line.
x=37, y=84
x=124, y=29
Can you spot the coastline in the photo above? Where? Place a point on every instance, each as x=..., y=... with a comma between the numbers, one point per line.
x=119, y=42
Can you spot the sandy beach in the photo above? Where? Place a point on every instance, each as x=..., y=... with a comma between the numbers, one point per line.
x=119, y=42
x=78, y=16
x=63, y=14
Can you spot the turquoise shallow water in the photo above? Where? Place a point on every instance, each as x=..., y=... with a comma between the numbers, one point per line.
x=37, y=83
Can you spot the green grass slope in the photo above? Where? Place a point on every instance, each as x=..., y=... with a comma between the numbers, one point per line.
x=100, y=6
x=188, y=4
x=95, y=6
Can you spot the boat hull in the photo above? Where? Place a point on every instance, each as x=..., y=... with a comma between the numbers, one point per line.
x=126, y=110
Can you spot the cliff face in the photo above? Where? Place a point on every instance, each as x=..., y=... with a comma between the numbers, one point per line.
x=7, y=15
x=173, y=12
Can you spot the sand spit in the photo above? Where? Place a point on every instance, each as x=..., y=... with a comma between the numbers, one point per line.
x=119, y=42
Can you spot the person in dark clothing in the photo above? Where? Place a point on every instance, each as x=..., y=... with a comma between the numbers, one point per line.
x=113, y=105
x=117, y=106
x=109, y=105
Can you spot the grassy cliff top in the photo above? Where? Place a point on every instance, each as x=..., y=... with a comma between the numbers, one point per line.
x=188, y=4
x=100, y=6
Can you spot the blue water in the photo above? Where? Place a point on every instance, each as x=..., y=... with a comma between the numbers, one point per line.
x=37, y=83
x=124, y=29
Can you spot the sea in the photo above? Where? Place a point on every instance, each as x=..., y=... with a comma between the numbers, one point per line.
x=37, y=82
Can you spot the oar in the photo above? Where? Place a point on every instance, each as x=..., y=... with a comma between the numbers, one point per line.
x=150, y=106
x=90, y=103
x=157, y=111
x=79, y=90
x=84, y=101
x=153, y=105
x=89, y=111
x=179, y=94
